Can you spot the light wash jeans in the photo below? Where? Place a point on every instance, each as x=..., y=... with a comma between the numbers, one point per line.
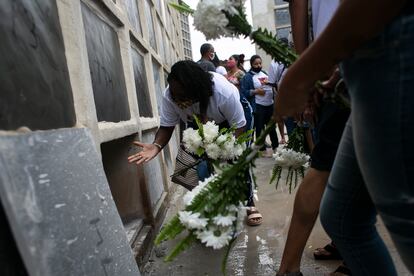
x=373, y=171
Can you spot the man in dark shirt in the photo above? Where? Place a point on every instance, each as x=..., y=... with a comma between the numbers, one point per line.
x=207, y=55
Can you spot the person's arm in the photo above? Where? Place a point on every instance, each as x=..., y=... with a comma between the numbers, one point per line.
x=247, y=88
x=298, y=10
x=149, y=151
x=340, y=38
x=239, y=131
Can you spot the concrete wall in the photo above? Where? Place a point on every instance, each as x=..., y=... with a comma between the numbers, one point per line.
x=264, y=15
x=118, y=53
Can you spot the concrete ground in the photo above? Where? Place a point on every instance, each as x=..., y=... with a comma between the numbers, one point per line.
x=258, y=250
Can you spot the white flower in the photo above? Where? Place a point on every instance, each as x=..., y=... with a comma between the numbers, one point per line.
x=215, y=237
x=288, y=158
x=192, y=140
x=213, y=151
x=232, y=208
x=221, y=139
x=229, y=147
x=192, y=220
x=211, y=21
x=238, y=149
x=190, y=195
x=210, y=131
x=224, y=220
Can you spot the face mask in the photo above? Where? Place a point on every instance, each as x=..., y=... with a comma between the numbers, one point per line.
x=256, y=69
x=212, y=56
x=231, y=63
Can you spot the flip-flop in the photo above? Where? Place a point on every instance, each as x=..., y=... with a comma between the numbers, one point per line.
x=332, y=250
x=254, y=218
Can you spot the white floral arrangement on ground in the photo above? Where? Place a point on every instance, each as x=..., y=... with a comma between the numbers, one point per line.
x=291, y=158
x=216, y=144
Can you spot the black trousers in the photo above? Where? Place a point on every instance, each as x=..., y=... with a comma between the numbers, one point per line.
x=262, y=117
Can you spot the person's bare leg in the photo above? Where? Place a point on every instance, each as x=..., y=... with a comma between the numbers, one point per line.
x=305, y=212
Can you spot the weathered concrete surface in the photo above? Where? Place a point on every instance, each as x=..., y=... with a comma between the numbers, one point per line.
x=258, y=250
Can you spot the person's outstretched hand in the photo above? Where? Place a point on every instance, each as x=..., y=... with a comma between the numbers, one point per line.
x=149, y=151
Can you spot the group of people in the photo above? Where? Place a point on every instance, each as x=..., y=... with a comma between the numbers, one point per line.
x=256, y=88
x=361, y=158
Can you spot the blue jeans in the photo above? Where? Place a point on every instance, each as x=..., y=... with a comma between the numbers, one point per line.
x=374, y=167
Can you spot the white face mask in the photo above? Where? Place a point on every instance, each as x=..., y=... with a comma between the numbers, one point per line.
x=212, y=56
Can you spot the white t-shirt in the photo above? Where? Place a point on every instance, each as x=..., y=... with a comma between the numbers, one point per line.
x=322, y=12
x=276, y=71
x=221, y=70
x=224, y=105
x=258, y=82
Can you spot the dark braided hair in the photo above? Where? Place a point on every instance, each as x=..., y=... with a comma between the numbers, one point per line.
x=197, y=84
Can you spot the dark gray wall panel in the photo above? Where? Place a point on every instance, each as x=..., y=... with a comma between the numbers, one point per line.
x=105, y=64
x=141, y=86
x=34, y=83
x=60, y=209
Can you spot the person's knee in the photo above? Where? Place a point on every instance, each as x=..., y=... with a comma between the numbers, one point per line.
x=327, y=218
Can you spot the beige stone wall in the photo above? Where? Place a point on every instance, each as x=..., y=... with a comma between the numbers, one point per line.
x=263, y=14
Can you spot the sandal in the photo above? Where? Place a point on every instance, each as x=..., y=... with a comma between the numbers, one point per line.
x=329, y=252
x=341, y=270
x=254, y=217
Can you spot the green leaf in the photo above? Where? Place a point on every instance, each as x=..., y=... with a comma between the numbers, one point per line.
x=170, y=231
x=183, y=245
x=226, y=256
x=200, y=151
x=199, y=125
x=182, y=8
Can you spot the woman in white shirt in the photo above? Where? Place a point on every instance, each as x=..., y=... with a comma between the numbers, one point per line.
x=192, y=91
x=263, y=100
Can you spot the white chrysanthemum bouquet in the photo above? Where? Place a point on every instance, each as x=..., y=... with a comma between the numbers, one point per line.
x=214, y=228
x=214, y=144
x=292, y=159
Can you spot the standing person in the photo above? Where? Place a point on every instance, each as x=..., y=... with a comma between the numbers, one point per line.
x=219, y=69
x=276, y=71
x=376, y=51
x=234, y=76
x=241, y=63
x=260, y=95
x=329, y=128
x=207, y=55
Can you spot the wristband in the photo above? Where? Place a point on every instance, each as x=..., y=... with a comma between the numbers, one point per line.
x=158, y=145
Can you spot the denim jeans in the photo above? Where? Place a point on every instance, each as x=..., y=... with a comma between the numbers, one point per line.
x=374, y=167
